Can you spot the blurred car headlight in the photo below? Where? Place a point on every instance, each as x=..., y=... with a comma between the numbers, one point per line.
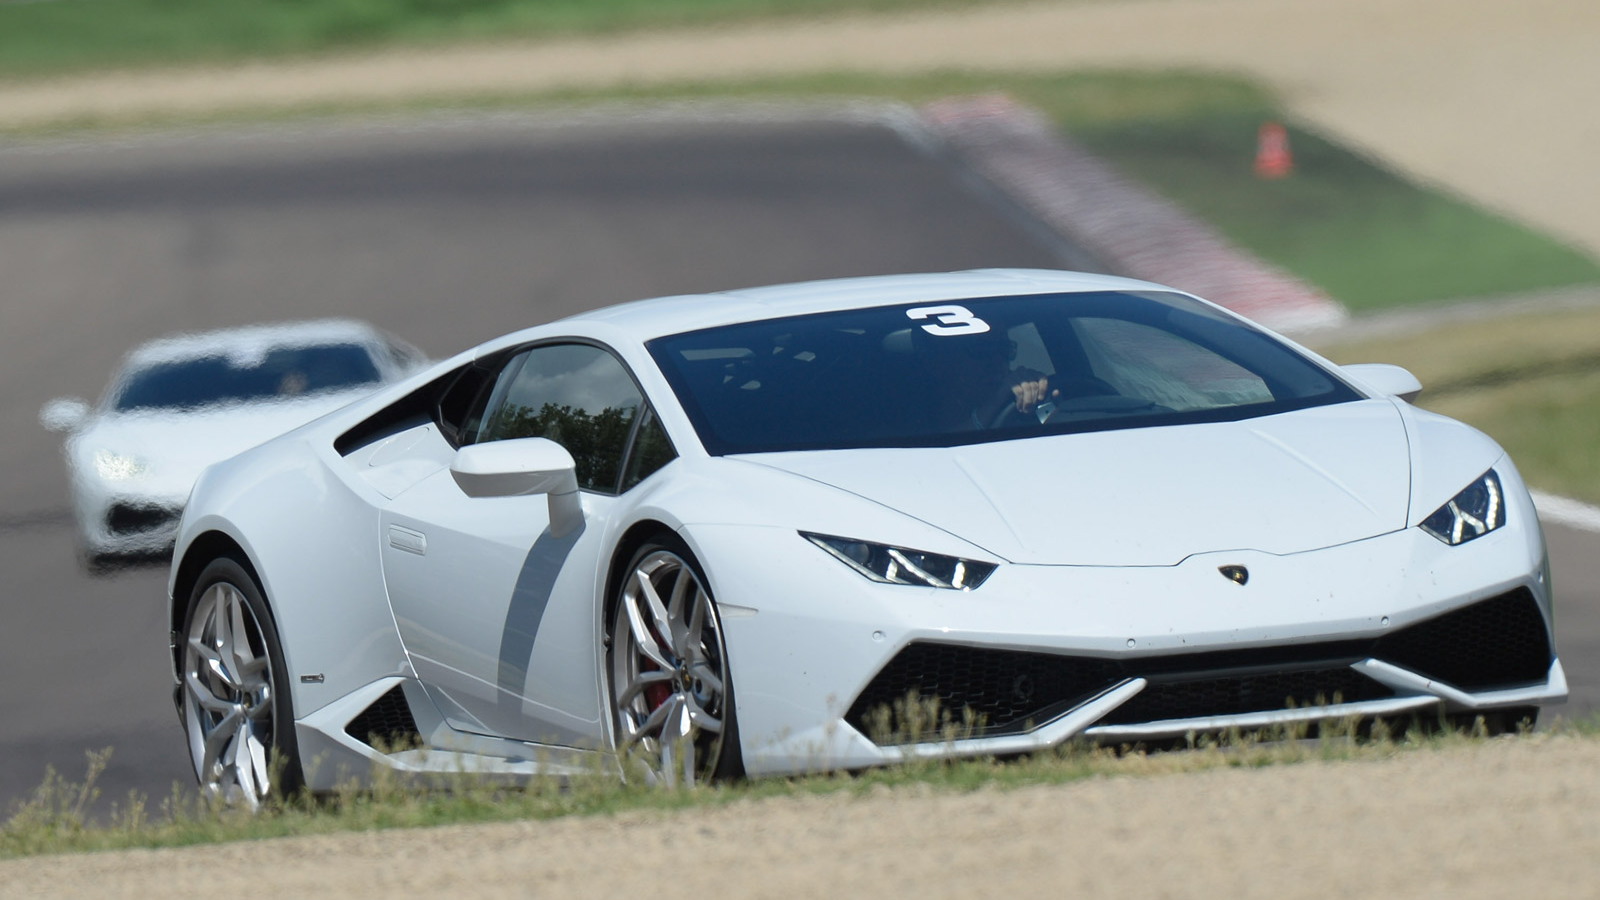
x=899, y=565
x=1476, y=511
x=117, y=467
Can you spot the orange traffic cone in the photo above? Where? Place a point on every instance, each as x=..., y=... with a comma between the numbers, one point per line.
x=1273, y=159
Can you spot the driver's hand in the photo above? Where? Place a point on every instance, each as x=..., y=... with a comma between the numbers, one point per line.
x=1031, y=393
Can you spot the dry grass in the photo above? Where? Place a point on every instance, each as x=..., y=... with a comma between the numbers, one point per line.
x=54, y=820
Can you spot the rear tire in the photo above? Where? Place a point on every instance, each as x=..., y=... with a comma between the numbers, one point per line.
x=237, y=714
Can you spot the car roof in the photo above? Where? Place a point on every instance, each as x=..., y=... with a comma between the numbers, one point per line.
x=252, y=341
x=647, y=319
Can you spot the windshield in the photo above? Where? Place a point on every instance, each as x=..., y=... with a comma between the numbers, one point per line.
x=949, y=373
x=279, y=373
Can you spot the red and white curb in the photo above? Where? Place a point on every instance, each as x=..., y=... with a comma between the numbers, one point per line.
x=1130, y=228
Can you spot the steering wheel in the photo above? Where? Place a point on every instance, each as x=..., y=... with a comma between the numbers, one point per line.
x=1004, y=407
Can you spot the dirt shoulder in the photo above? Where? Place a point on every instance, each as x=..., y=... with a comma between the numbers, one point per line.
x=1514, y=816
x=1486, y=97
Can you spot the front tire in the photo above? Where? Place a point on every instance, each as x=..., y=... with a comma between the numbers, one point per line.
x=237, y=713
x=671, y=689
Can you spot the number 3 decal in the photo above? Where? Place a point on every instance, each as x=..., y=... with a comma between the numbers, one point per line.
x=950, y=320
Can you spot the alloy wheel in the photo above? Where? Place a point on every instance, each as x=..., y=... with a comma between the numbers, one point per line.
x=228, y=697
x=669, y=672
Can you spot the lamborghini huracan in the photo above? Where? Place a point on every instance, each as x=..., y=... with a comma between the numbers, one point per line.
x=840, y=524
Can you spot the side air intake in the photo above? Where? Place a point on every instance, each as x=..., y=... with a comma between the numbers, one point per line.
x=387, y=724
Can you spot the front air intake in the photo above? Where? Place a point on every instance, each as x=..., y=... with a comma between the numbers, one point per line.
x=1005, y=691
x=1500, y=642
x=1496, y=643
x=1210, y=694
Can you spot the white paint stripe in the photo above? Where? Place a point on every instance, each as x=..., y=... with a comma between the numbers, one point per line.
x=1566, y=511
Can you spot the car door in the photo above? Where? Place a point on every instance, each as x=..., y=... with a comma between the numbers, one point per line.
x=496, y=612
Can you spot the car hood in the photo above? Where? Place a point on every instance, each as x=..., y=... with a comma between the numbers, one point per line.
x=172, y=448
x=1148, y=496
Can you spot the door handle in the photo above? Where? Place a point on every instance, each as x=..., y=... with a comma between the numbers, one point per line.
x=410, y=541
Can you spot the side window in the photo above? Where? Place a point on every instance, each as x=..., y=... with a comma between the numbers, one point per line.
x=1164, y=368
x=651, y=450
x=577, y=395
x=459, y=408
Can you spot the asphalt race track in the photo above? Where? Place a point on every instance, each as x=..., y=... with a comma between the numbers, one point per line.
x=446, y=233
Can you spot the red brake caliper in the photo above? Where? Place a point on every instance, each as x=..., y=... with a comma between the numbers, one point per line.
x=657, y=693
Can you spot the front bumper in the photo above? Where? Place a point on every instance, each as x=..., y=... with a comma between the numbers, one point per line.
x=1395, y=625
x=1490, y=654
x=128, y=523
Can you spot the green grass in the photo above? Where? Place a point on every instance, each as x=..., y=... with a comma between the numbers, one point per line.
x=55, y=36
x=1532, y=382
x=1357, y=230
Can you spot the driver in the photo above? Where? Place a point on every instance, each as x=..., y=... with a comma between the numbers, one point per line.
x=980, y=385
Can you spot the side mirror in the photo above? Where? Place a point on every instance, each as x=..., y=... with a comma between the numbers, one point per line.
x=1383, y=378
x=520, y=468
x=64, y=414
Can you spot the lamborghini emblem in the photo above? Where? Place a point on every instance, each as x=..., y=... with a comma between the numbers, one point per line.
x=1236, y=574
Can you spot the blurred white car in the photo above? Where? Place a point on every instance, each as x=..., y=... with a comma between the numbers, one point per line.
x=183, y=402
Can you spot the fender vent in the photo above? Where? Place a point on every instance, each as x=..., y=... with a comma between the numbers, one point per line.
x=387, y=724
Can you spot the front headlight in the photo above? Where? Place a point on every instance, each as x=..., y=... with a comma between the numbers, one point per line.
x=1476, y=511
x=117, y=467
x=899, y=565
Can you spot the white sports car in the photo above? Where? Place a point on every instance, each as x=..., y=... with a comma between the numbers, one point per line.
x=844, y=523
x=183, y=402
